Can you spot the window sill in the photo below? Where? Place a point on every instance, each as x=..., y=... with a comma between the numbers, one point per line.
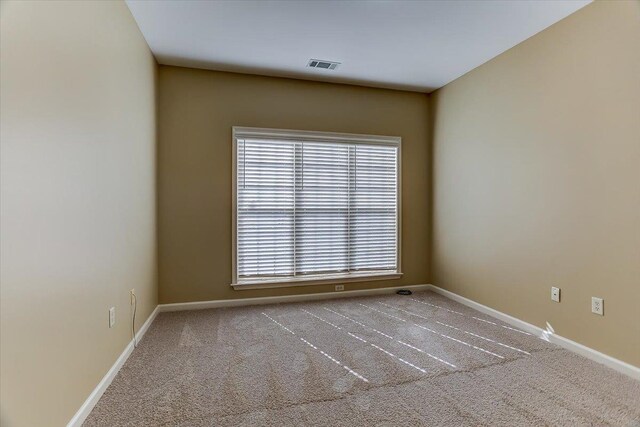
x=313, y=280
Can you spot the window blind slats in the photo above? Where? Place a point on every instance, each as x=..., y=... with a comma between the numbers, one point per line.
x=307, y=208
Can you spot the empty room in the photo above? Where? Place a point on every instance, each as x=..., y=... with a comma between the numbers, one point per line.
x=319, y=213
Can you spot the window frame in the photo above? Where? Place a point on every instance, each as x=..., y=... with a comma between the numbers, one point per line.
x=240, y=132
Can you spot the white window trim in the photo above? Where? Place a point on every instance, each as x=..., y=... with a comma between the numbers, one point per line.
x=239, y=132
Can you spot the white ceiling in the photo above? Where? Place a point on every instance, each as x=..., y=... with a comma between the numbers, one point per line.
x=414, y=45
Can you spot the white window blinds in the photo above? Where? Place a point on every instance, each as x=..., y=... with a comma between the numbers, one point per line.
x=309, y=208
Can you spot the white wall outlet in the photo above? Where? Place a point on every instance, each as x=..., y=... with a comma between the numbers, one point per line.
x=112, y=317
x=339, y=287
x=597, y=306
x=555, y=294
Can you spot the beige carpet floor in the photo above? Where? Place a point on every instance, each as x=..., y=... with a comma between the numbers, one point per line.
x=419, y=360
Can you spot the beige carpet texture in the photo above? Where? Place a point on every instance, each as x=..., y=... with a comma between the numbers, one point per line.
x=389, y=360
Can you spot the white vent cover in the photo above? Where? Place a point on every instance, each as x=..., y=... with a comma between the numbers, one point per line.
x=319, y=63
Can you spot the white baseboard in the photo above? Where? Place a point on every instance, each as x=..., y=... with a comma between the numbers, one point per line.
x=589, y=353
x=95, y=395
x=199, y=305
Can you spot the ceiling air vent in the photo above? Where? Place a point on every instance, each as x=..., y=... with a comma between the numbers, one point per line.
x=318, y=63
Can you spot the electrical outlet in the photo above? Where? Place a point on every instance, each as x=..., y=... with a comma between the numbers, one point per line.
x=132, y=296
x=339, y=287
x=112, y=317
x=597, y=306
x=555, y=294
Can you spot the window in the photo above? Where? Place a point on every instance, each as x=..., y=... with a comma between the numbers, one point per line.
x=314, y=207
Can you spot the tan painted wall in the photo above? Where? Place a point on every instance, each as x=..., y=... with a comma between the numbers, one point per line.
x=196, y=112
x=77, y=200
x=537, y=179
